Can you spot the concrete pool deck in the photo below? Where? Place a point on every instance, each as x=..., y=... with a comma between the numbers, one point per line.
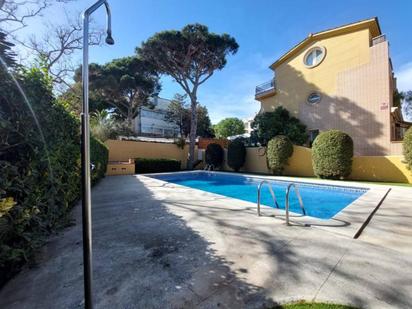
x=158, y=245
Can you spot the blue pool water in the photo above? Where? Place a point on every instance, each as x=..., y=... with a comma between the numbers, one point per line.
x=320, y=201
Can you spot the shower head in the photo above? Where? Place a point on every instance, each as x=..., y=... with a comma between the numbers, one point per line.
x=109, y=38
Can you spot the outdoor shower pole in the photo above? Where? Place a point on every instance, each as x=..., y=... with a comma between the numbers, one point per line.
x=85, y=150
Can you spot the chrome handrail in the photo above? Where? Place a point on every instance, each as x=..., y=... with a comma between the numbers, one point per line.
x=287, y=201
x=271, y=192
x=209, y=167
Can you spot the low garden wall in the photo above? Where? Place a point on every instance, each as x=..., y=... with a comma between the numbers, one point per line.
x=125, y=150
x=369, y=168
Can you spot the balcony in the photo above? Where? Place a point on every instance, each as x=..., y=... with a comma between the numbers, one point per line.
x=265, y=89
x=378, y=39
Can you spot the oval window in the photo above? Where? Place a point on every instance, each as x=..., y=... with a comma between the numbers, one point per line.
x=314, y=56
x=314, y=98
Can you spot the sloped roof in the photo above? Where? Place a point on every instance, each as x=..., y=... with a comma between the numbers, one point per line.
x=372, y=24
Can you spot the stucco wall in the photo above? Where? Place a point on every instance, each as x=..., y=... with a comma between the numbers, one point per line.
x=120, y=168
x=381, y=168
x=354, y=80
x=125, y=150
x=294, y=81
x=370, y=168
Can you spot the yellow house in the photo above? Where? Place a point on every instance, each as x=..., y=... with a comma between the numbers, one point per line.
x=340, y=78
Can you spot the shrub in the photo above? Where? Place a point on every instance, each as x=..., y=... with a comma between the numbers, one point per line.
x=40, y=167
x=279, y=122
x=279, y=150
x=407, y=147
x=236, y=154
x=143, y=165
x=99, y=155
x=180, y=142
x=332, y=153
x=214, y=154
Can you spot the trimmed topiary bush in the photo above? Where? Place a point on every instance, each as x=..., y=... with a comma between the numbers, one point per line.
x=214, y=154
x=236, y=154
x=332, y=153
x=407, y=147
x=279, y=150
x=143, y=165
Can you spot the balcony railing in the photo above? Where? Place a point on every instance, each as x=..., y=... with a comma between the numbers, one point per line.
x=378, y=39
x=265, y=87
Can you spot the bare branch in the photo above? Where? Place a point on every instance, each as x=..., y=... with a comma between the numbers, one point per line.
x=58, y=45
x=14, y=13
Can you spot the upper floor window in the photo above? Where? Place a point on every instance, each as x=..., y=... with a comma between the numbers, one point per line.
x=314, y=98
x=314, y=56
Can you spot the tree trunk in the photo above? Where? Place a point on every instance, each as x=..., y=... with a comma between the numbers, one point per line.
x=129, y=120
x=192, y=135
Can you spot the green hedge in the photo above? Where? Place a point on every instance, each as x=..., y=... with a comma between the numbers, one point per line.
x=332, y=154
x=214, y=155
x=279, y=150
x=143, y=165
x=99, y=156
x=407, y=147
x=236, y=154
x=40, y=167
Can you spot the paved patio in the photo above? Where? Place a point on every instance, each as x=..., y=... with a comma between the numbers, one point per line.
x=159, y=245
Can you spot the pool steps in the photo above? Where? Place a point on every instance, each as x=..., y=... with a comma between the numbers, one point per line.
x=289, y=187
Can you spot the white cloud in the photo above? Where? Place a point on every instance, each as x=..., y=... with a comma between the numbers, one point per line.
x=404, y=77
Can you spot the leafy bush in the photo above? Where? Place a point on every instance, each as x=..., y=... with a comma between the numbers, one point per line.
x=104, y=126
x=40, y=166
x=99, y=155
x=279, y=122
x=229, y=127
x=143, y=165
x=214, y=154
x=332, y=153
x=180, y=142
x=407, y=147
x=236, y=154
x=279, y=150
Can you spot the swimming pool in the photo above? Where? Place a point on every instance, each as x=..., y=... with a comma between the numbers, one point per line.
x=321, y=201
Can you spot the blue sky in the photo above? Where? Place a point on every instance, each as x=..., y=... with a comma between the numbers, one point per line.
x=263, y=29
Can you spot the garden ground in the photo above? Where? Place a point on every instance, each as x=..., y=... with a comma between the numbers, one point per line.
x=159, y=245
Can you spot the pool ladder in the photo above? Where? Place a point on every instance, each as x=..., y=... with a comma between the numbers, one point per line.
x=289, y=187
x=209, y=167
x=275, y=203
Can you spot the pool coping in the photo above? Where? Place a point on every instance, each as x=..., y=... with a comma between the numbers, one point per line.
x=349, y=222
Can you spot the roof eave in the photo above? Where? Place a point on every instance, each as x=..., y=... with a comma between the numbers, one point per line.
x=328, y=32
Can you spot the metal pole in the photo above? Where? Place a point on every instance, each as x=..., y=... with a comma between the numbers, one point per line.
x=86, y=195
x=85, y=152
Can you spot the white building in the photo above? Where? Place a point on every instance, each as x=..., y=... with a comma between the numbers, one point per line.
x=152, y=121
x=248, y=125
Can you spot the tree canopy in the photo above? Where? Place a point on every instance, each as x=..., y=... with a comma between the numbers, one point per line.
x=229, y=127
x=279, y=122
x=6, y=53
x=190, y=56
x=406, y=104
x=179, y=112
x=124, y=84
x=176, y=111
